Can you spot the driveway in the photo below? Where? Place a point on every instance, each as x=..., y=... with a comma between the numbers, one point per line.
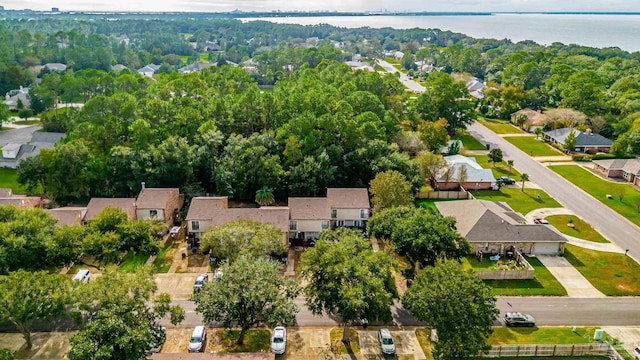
x=179, y=286
x=407, y=346
x=18, y=136
x=575, y=284
x=606, y=221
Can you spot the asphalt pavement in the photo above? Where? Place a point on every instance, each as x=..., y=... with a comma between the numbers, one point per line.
x=606, y=221
x=404, y=79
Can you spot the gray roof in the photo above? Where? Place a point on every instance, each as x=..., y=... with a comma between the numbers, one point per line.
x=582, y=139
x=118, y=67
x=55, y=66
x=475, y=172
x=481, y=221
x=47, y=137
x=631, y=166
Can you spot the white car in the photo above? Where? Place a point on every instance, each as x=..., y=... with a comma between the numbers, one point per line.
x=386, y=342
x=279, y=340
x=636, y=353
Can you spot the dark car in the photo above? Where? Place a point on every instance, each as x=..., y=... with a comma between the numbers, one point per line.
x=519, y=319
x=506, y=180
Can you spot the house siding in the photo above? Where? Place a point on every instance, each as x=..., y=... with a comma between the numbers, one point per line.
x=307, y=226
x=145, y=214
x=204, y=226
x=525, y=247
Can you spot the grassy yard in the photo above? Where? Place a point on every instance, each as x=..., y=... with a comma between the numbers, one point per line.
x=522, y=202
x=600, y=188
x=338, y=347
x=500, y=169
x=532, y=147
x=224, y=341
x=612, y=273
x=26, y=122
x=468, y=141
x=500, y=126
x=430, y=203
x=551, y=358
x=544, y=284
x=580, y=229
x=163, y=261
x=471, y=262
x=132, y=261
x=424, y=339
x=9, y=179
x=540, y=335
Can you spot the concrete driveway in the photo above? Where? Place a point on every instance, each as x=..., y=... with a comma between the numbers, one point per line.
x=575, y=284
x=407, y=346
x=178, y=285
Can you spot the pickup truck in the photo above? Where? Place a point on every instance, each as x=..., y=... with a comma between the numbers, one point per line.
x=506, y=180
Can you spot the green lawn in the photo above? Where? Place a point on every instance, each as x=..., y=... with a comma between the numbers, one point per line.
x=430, y=203
x=522, y=202
x=532, y=147
x=468, y=141
x=26, y=122
x=500, y=126
x=540, y=335
x=9, y=179
x=599, y=189
x=544, y=284
x=255, y=340
x=163, y=261
x=500, y=169
x=612, y=273
x=132, y=261
x=580, y=229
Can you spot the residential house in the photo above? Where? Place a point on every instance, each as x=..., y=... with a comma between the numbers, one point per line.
x=211, y=46
x=96, y=205
x=54, y=67
x=158, y=204
x=495, y=228
x=149, y=70
x=250, y=66
x=20, y=201
x=10, y=151
x=195, y=67
x=205, y=212
x=398, y=55
x=13, y=98
x=359, y=65
x=628, y=169
x=585, y=141
x=68, y=215
x=308, y=216
x=350, y=207
x=533, y=119
x=13, y=153
x=117, y=67
x=123, y=39
x=474, y=176
x=475, y=86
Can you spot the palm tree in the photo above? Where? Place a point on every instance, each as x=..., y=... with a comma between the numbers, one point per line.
x=524, y=177
x=265, y=196
x=538, y=131
x=510, y=163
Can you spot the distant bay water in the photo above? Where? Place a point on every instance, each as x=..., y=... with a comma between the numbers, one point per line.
x=595, y=30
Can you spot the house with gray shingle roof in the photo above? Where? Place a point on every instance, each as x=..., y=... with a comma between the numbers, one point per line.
x=13, y=153
x=68, y=215
x=627, y=169
x=585, y=141
x=158, y=203
x=494, y=228
x=465, y=172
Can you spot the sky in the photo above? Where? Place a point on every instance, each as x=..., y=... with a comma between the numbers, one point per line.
x=337, y=5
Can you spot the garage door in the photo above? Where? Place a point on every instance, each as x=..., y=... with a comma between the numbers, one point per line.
x=546, y=248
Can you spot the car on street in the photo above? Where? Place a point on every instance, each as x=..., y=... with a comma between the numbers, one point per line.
x=198, y=339
x=200, y=281
x=636, y=353
x=519, y=319
x=506, y=180
x=386, y=342
x=540, y=221
x=279, y=340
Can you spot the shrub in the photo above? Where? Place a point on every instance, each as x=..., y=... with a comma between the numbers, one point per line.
x=613, y=156
x=581, y=157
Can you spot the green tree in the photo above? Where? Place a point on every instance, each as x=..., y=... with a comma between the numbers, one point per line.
x=524, y=177
x=32, y=174
x=495, y=156
x=4, y=113
x=27, y=295
x=510, y=164
x=430, y=165
x=434, y=134
x=456, y=303
x=407, y=61
x=243, y=237
x=390, y=189
x=538, y=131
x=570, y=142
x=125, y=314
x=419, y=234
x=346, y=278
x=250, y=292
x=264, y=196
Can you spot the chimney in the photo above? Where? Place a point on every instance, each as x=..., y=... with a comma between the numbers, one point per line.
x=143, y=184
x=588, y=131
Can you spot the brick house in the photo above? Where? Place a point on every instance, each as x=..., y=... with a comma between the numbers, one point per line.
x=158, y=203
x=628, y=169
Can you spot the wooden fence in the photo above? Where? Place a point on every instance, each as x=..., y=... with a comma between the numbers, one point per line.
x=443, y=195
x=594, y=349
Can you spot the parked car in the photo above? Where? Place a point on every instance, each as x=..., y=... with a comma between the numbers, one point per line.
x=279, y=340
x=198, y=339
x=386, y=342
x=636, y=353
x=83, y=275
x=519, y=319
x=200, y=281
x=540, y=221
x=507, y=180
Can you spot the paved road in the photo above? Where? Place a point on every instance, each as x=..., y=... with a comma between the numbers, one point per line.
x=609, y=223
x=404, y=79
x=18, y=136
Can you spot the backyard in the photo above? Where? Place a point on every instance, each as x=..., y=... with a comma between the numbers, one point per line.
x=500, y=126
x=613, y=274
x=541, y=335
x=625, y=199
x=500, y=169
x=579, y=228
x=544, y=284
x=468, y=141
x=522, y=202
x=531, y=146
x=9, y=179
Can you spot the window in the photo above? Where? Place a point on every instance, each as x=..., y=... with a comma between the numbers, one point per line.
x=340, y=223
x=195, y=225
x=293, y=225
x=364, y=213
x=357, y=223
x=153, y=214
x=325, y=224
x=334, y=213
